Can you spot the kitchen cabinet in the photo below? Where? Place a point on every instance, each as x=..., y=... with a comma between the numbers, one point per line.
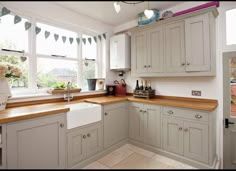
x=178, y=46
x=145, y=123
x=83, y=143
x=197, y=43
x=186, y=134
x=115, y=120
x=37, y=143
x=3, y=146
x=148, y=51
x=174, y=47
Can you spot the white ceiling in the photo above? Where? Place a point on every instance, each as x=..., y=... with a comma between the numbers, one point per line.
x=104, y=10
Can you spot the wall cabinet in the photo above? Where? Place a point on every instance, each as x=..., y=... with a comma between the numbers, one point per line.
x=147, y=46
x=83, y=142
x=115, y=123
x=145, y=123
x=36, y=143
x=179, y=46
x=186, y=137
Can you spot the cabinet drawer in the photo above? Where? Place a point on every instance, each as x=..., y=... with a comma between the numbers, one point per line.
x=186, y=113
x=115, y=105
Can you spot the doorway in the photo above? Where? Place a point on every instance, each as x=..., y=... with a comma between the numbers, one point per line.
x=229, y=110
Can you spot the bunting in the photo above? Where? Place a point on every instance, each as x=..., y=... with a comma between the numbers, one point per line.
x=17, y=19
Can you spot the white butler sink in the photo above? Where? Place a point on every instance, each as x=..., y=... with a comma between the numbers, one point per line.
x=83, y=113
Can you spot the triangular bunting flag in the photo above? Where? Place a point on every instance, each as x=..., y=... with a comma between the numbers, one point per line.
x=56, y=36
x=64, y=39
x=104, y=35
x=37, y=30
x=71, y=40
x=95, y=39
x=100, y=37
x=27, y=25
x=84, y=40
x=5, y=11
x=46, y=34
x=17, y=19
x=90, y=40
x=78, y=40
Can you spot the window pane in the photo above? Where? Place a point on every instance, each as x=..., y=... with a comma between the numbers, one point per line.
x=88, y=71
x=61, y=71
x=13, y=36
x=50, y=46
x=89, y=51
x=230, y=27
x=22, y=63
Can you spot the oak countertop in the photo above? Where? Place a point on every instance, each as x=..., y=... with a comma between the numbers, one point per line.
x=33, y=111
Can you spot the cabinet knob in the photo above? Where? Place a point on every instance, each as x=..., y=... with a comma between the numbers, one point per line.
x=198, y=116
x=88, y=135
x=170, y=112
x=183, y=64
x=145, y=66
x=145, y=111
x=61, y=125
x=84, y=136
x=149, y=66
x=141, y=110
x=105, y=113
x=186, y=130
x=188, y=63
x=180, y=128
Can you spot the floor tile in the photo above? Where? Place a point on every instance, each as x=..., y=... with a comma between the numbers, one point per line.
x=139, y=150
x=116, y=156
x=139, y=161
x=173, y=163
x=96, y=165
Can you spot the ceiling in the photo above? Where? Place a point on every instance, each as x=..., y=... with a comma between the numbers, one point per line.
x=104, y=10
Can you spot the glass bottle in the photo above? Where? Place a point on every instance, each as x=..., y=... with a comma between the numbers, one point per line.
x=146, y=86
x=137, y=86
x=141, y=86
x=149, y=85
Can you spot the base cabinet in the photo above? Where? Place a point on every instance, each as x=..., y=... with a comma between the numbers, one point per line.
x=145, y=123
x=186, y=137
x=36, y=143
x=115, y=120
x=82, y=143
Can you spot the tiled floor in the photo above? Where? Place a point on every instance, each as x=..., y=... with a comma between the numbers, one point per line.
x=133, y=157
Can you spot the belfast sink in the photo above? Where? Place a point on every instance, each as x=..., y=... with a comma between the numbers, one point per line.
x=82, y=114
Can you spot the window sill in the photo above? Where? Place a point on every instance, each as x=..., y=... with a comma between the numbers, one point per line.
x=43, y=96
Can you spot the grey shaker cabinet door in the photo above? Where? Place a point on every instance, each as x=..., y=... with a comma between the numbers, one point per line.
x=76, y=147
x=152, y=125
x=196, y=141
x=136, y=122
x=173, y=135
x=36, y=143
x=197, y=41
x=115, y=124
x=83, y=143
x=174, y=60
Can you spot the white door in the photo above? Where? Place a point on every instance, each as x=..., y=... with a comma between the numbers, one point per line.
x=229, y=109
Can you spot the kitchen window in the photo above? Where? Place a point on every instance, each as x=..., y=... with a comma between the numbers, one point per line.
x=14, y=48
x=46, y=61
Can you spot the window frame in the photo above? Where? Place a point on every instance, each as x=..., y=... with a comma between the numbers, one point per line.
x=33, y=56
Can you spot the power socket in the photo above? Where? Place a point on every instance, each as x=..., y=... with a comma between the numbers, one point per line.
x=196, y=93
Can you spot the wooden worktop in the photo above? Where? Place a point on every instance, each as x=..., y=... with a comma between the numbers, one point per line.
x=28, y=112
x=33, y=111
x=199, y=104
